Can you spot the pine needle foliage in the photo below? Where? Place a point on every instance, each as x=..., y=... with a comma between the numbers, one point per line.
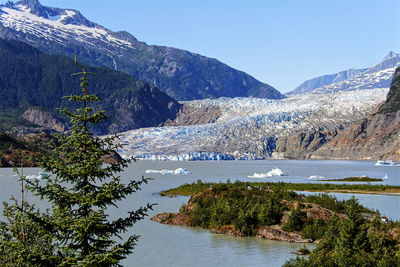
x=81, y=189
x=22, y=241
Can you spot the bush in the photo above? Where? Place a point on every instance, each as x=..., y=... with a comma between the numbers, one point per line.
x=295, y=221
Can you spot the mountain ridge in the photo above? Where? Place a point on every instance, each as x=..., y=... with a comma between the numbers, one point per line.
x=181, y=74
x=377, y=76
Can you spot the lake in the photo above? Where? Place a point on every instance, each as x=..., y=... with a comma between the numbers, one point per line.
x=165, y=245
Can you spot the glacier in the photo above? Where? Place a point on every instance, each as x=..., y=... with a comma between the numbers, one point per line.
x=249, y=127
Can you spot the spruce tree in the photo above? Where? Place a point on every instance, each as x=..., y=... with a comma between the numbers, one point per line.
x=81, y=189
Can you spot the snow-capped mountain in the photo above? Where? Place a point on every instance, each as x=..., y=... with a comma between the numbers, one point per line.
x=181, y=74
x=378, y=76
x=250, y=128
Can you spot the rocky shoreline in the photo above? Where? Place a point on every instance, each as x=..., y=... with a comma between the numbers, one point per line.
x=273, y=232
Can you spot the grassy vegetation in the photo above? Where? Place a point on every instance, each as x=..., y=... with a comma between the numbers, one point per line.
x=355, y=179
x=191, y=189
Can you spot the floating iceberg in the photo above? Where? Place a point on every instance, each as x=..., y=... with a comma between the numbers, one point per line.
x=40, y=175
x=275, y=172
x=32, y=177
x=258, y=175
x=316, y=177
x=179, y=171
x=386, y=163
x=385, y=177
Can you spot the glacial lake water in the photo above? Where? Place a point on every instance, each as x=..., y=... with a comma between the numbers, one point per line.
x=164, y=245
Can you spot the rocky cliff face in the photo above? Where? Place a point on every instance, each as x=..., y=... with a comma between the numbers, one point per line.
x=195, y=115
x=302, y=145
x=44, y=119
x=376, y=136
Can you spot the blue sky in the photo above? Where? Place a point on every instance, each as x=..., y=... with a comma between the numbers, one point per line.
x=282, y=42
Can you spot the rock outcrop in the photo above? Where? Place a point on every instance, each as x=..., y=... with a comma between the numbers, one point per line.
x=311, y=211
x=275, y=232
x=44, y=119
x=301, y=145
x=172, y=218
x=227, y=230
x=195, y=115
x=375, y=137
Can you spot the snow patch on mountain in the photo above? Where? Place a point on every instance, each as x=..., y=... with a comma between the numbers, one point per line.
x=22, y=20
x=249, y=127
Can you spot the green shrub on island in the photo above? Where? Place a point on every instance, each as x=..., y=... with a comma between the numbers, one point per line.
x=229, y=204
x=315, y=229
x=295, y=221
x=248, y=207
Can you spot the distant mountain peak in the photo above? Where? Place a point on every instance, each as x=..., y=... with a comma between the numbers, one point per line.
x=377, y=76
x=391, y=54
x=29, y=3
x=33, y=6
x=65, y=16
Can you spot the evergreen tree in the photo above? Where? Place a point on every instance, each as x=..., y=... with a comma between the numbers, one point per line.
x=351, y=243
x=21, y=240
x=81, y=189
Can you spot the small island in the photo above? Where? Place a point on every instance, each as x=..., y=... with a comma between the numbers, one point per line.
x=275, y=211
x=268, y=210
x=354, y=179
